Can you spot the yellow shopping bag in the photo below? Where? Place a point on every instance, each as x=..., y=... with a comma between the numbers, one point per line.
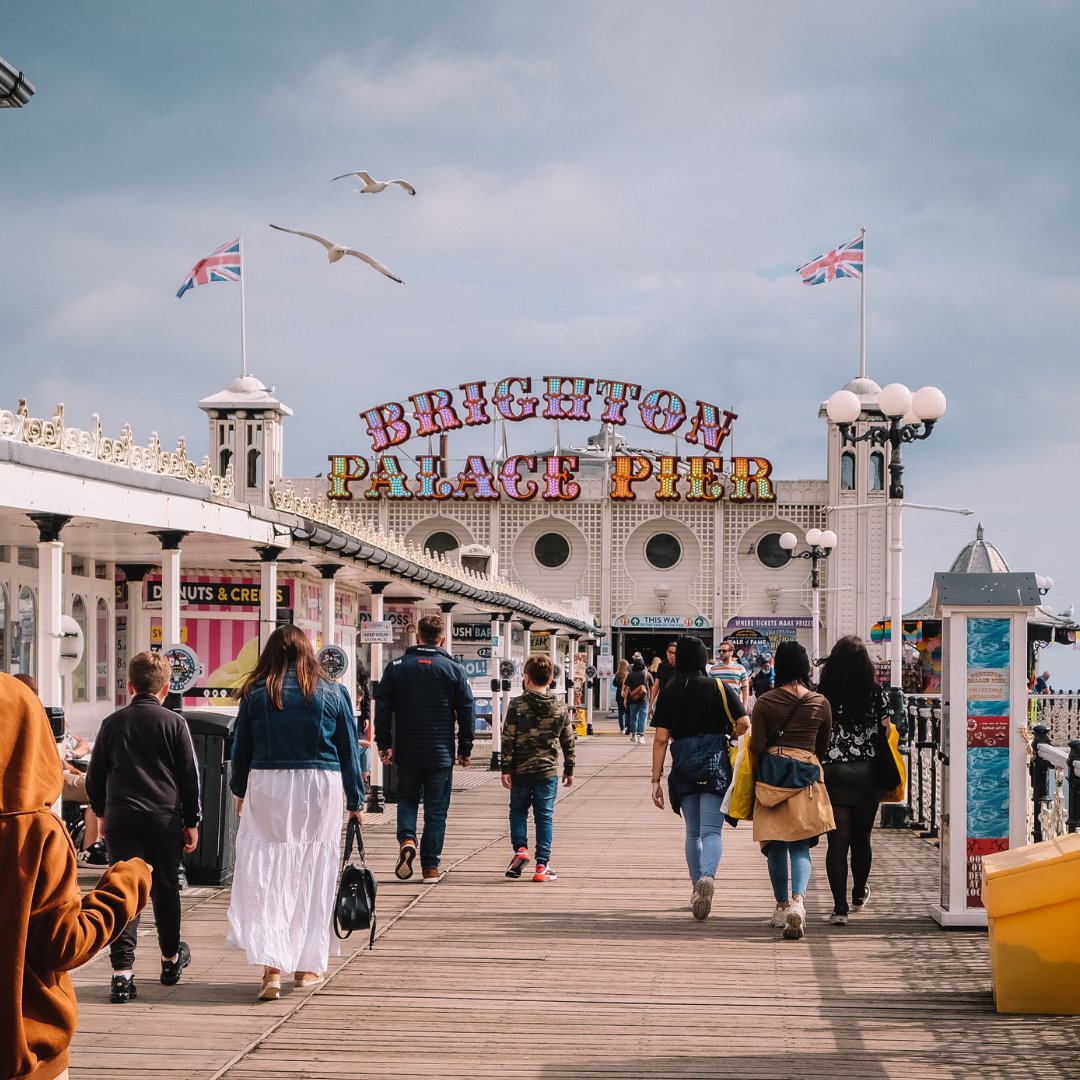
x=898, y=794
x=739, y=798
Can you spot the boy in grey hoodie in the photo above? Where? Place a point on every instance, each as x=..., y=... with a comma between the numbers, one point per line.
x=536, y=726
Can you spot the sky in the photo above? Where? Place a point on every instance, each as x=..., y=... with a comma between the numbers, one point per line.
x=614, y=190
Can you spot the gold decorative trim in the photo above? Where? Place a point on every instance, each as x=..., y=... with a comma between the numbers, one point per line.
x=52, y=434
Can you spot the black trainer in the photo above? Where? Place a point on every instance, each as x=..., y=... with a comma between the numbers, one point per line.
x=122, y=988
x=171, y=969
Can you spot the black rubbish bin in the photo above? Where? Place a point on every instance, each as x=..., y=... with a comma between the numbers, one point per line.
x=212, y=862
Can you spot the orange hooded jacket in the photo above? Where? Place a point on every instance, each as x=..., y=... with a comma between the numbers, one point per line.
x=49, y=927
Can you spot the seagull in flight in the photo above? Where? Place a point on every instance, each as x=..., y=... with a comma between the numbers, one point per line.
x=336, y=251
x=373, y=186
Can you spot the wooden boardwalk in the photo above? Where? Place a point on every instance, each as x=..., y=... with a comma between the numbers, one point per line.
x=602, y=975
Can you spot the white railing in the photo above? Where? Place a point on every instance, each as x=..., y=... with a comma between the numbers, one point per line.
x=53, y=434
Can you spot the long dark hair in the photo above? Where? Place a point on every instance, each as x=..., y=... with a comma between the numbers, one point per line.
x=847, y=677
x=287, y=647
x=691, y=659
x=791, y=664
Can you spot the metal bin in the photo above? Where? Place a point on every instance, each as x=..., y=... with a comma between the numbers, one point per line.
x=212, y=862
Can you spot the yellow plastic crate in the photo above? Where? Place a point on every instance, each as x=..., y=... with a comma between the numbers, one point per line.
x=1032, y=900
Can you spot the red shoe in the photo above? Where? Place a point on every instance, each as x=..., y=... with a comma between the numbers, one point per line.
x=518, y=863
x=544, y=873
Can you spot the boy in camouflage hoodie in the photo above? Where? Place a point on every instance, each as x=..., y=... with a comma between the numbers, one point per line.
x=536, y=724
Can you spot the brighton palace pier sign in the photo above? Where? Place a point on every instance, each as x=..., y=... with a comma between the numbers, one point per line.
x=701, y=478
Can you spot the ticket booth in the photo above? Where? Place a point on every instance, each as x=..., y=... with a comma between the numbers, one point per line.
x=984, y=713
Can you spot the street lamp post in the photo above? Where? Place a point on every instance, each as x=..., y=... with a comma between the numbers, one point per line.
x=911, y=418
x=821, y=546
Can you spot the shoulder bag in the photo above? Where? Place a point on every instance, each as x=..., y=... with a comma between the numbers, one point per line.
x=354, y=907
x=779, y=770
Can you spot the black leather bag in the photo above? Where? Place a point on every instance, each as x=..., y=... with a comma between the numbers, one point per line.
x=354, y=908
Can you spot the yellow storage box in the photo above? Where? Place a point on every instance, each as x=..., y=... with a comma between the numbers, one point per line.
x=1032, y=900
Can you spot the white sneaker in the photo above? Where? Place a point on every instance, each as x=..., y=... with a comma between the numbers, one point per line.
x=702, y=903
x=795, y=924
x=779, y=917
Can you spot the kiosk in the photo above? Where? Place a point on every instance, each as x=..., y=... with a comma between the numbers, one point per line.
x=984, y=713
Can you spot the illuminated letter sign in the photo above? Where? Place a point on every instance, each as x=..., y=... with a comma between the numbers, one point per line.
x=566, y=397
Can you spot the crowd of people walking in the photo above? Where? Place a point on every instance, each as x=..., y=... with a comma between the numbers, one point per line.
x=816, y=754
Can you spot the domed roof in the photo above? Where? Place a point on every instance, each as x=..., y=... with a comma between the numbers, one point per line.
x=979, y=557
x=245, y=392
x=864, y=388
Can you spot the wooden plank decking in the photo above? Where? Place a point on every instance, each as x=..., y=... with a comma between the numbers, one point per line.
x=602, y=975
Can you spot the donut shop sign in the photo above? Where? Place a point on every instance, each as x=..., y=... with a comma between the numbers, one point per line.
x=695, y=477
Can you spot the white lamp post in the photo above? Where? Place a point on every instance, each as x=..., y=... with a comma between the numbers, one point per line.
x=821, y=544
x=911, y=418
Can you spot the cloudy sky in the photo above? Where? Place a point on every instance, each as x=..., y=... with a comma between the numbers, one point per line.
x=605, y=189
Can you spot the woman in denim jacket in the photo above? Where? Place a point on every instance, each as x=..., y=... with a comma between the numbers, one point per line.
x=294, y=752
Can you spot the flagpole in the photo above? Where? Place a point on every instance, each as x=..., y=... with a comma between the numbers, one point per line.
x=243, y=320
x=862, y=311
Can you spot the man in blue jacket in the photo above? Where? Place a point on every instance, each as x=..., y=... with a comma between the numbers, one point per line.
x=421, y=697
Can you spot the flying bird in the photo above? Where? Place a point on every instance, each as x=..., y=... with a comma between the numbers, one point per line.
x=336, y=251
x=373, y=186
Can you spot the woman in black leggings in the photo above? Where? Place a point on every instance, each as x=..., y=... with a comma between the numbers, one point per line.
x=859, y=706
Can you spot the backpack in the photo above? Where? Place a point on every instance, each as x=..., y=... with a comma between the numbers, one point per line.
x=637, y=693
x=354, y=907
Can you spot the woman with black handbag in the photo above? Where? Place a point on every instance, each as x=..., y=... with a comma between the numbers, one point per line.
x=852, y=764
x=696, y=715
x=789, y=733
x=294, y=754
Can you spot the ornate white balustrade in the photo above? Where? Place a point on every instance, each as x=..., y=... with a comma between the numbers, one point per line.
x=53, y=435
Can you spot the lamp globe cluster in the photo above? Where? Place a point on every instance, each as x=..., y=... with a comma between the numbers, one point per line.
x=896, y=401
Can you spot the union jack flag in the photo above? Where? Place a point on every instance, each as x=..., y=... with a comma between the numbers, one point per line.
x=845, y=261
x=222, y=265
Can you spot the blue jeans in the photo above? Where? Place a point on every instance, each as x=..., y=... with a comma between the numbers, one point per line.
x=637, y=713
x=431, y=786
x=540, y=795
x=779, y=853
x=704, y=842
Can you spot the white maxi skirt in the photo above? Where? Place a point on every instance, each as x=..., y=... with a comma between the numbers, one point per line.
x=288, y=852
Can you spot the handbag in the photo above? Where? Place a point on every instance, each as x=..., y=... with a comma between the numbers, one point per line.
x=354, y=907
x=738, y=801
x=890, y=772
x=779, y=770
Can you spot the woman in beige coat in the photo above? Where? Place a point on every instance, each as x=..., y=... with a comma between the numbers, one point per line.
x=794, y=721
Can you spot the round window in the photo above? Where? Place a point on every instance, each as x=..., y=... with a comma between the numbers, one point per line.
x=663, y=551
x=439, y=543
x=770, y=553
x=551, y=550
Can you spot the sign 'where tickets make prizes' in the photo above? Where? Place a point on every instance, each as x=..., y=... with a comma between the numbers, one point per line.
x=701, y=477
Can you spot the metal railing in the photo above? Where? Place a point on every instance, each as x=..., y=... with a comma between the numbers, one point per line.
x=1054, y=767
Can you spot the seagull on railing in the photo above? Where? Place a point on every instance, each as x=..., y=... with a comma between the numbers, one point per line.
x=1067, y=613
x=373, y=186
x=336, y=251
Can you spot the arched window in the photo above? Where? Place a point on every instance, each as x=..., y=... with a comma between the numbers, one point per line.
x=23, y=651
x=101, y=634
x=3, y=629
x=253, y=458
x=441, y=543
x=877, y=471
x=78, y=676
x=847, y=471
x=226, y=457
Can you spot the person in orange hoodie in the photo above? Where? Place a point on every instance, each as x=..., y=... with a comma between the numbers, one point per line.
x=49, y=926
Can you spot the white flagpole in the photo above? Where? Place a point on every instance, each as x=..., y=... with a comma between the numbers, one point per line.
x=243, y=321
x=862, y=311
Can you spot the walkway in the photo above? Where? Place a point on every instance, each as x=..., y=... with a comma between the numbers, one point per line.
x=602, y=975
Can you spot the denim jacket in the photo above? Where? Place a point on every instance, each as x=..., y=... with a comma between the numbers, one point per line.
x=318, y=735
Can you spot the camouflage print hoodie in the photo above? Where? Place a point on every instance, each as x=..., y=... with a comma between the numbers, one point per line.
x=535, y=725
